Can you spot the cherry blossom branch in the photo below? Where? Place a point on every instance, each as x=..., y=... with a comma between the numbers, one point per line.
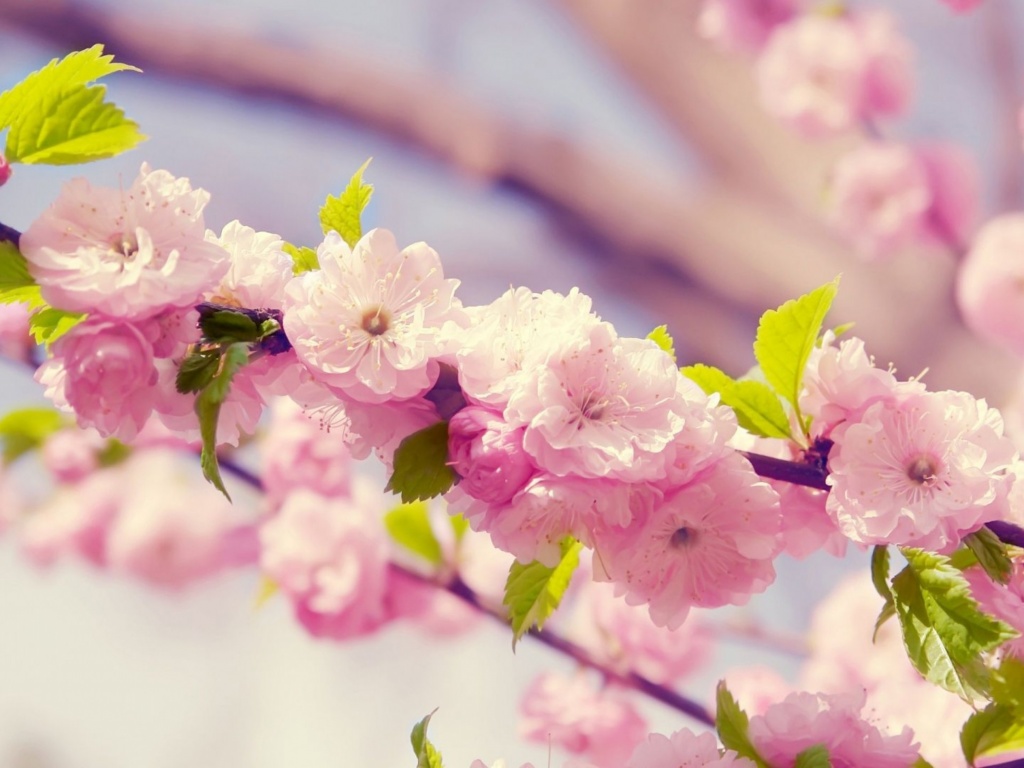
x=793, y=472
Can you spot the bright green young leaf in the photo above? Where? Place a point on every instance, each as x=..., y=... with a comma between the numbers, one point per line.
x=421, y=465
x=113, y=453
x=921, y=763
x=880, y=578
x=991, y=554
x=409, y=526
x=73, y=71
x=534, y=591
x=1008, y=683
x=74, y=126
x=786, y=336
x=207, y=406
x=732, y=725
x=427, y=755
x=758, y=409
x=49, y=324
x=459, y=526
x=304, y=258
x=226, y=326
x=343, y=214
x=813, y=757
x=197, y=370
x=943, y=630
x=997, y=728
x=16, y=284
x=663, y=339
x=26, y=429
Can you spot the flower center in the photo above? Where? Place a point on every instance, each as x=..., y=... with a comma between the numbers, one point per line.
x=125, y=245
x=376, y=321
x=922, y=470
x=683, y=537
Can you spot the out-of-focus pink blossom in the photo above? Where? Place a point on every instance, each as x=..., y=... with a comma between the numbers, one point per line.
x=803, y=720
x=710, y=543
x=330, y=556
x=434, y=610
x=684, y=748
x=990, y=285
x=5, y=170
x=105, y=372
x=1004, y=601
x=756, y=688
x=14, y=338
x=821, y=74
x=71, y=454
x=488, y=455
x=956, y=190
x=124, y=253
x=962, y=6
x=568, y=712
x=743, y=25
x=922, y=470
x=368, y=322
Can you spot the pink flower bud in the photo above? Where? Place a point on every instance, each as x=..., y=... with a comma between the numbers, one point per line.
x=488, y=454
x=5, y=170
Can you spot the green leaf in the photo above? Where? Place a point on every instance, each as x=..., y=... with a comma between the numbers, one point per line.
x=16, y=284
x=991, y=554
x=1008, y=683
x=409, y=526
x=921, y=763
x=459, y=526
x=305, y=258
x=426, y=755
x=943, y=630
x=758, y=409
x=785, y=338
x=226, y=326
x=113, y=453
x=661, y=337
x=534, y=591
x=197, y=370
x=880, y=578
x=997, y=728
x=49, y=324
x=26, y=429
x=207, y=406
x=813, y=757
x=421, y=465
x=74, y=126
x=732, y=725
x=74, y=70
x=343, y=214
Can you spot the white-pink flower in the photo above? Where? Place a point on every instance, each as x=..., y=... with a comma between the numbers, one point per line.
x=921, y=470
x=259, y=268
x=487, y=455
x=368, y=322
x=685, y=749
x=804, y=720
x=743, y=25
x=709, y=543
x=990, y=284
x=569, y=713
x=124, y=253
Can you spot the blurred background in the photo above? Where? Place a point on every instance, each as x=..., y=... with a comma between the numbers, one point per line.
x=591, y=143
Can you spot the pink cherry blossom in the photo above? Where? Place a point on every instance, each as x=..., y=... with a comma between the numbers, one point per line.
x=71, y=454
x=5, y=170
x=601, y=407
x=124, y=253
x=1004, y=601
x=569, y=713
x=259, y=268
x=956, y=191
x=756, y=688
x=961, y=6
x=684, y=749
x=105, y=372
x=743, y=25
x=368, y=322
x=14, y=323
x=330, y=556
x=487, y=455
x=803, y=720
x=922, y=470
x=710, y=543
x=990, y=285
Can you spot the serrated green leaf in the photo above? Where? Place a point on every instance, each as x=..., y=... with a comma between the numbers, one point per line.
x=226, y=326
x=1008, y=683
x=421, y=468
x=995, y=729
x=813, y=757
x=208, y=403
x=880, y=579
x=758, y=409
x=16, y=284
x=343, y=214
x=304, y=258
x=427, y=755
x=74, y=126
x=944, y=632
x=732, y=725
x=76, y=69
x=49, y=324
x=197, y=370
x=663, y=339
x=26, y=429
x=887, y=612
x=785, y=338
x=409, y=526
x=533, y=591
x=991, y=553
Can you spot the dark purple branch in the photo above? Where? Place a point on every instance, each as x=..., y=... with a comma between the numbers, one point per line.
x=788, y=471
x=10, y=233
